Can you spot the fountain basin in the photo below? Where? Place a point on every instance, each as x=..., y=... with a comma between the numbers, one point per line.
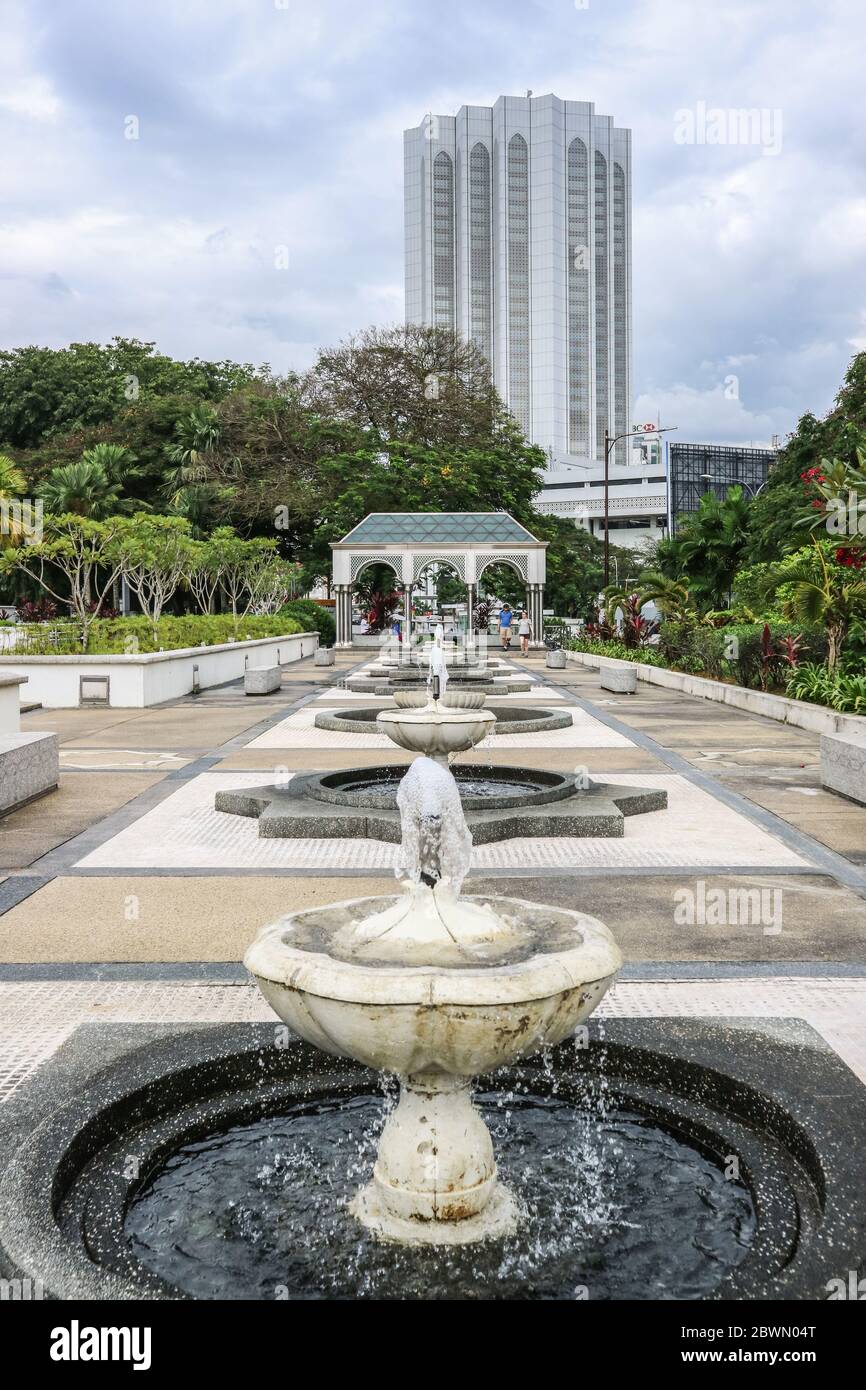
x=436, y=732
x=510, y=719
x=235, y=1120
x=500, y=803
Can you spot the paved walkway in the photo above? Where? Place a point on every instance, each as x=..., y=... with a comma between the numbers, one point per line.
x=754, y=880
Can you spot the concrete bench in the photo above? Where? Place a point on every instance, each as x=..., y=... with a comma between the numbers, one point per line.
x=262, y=680
x=843, y=765
x=622, y=680
x=29, y=767
x=324, y=656
x=556, y=661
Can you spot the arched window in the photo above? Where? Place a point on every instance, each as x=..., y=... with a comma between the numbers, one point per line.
x=518, y=280
x=578, y=298
x=480, y=250
x=443, y=241
x=602, y=346
x=620, y=314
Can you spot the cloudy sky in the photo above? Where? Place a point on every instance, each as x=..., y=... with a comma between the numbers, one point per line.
x=271, y=124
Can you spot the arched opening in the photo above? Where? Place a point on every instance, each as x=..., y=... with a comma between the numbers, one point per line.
x=376, y=597
x=440, y=594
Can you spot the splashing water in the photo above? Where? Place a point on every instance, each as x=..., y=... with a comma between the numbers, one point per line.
x=435, y=843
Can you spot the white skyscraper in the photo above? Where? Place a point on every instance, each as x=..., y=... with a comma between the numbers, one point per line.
x=518, y=235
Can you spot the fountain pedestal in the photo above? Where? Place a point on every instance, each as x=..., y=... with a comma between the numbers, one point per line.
x=434, y=1181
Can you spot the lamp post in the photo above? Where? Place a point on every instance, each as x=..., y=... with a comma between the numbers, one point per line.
x=609, y=442
x=753, y=491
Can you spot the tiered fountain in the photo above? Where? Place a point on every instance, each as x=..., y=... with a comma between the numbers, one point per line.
x=437, y=989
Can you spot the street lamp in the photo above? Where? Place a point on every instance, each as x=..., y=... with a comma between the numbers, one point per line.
x=753, y=491
x=609, y=442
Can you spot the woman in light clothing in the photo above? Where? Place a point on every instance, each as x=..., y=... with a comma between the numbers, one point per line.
x=524, y=632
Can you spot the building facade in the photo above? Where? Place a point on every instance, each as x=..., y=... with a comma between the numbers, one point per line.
x=695, y=469
x=518, y=236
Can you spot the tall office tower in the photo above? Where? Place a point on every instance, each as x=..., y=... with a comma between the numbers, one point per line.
x=518, y=235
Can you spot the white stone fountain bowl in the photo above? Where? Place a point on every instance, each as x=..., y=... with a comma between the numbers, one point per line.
x=434, y=730
x=411, y=699
x=417, y=1019
x=463, y=699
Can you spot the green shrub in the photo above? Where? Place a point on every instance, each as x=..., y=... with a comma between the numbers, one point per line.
x=126, y=636
x=313, y=617
x=845, y=693
x=644, y=656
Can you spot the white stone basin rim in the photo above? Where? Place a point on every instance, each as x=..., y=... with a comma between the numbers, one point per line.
x=594, y=959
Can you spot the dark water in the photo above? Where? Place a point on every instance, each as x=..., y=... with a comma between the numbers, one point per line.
x=612, y=1209
x=468, y=786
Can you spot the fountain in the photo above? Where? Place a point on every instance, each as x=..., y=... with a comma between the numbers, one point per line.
x=434, y=988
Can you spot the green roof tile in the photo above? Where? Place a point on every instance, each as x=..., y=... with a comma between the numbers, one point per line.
x=438, y=528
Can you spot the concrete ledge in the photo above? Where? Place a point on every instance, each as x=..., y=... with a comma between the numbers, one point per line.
x=29, y=767
x=621, y=679
x=10, y=706
x=843, y=765
x=262, y=680
x=798, y=713
x=150, y=678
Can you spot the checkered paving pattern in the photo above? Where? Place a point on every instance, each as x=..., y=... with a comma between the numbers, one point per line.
x=834, y=1008
x=184, y=831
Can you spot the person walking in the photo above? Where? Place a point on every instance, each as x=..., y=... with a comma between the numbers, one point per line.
x=506, y=618
x=524, y=632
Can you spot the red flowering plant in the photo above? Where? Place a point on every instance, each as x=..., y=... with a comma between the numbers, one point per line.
x=835, y=494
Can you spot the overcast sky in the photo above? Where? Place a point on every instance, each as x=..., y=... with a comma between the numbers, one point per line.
x=269, y=124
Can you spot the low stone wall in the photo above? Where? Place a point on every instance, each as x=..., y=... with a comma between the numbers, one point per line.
x=815, y=718
x=136, y=682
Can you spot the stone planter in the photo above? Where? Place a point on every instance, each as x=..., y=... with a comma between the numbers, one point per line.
x=556, y=661
x=262, y=680
x=843, y=765
x=29, y=767
x=622, y=680
x=324, y=657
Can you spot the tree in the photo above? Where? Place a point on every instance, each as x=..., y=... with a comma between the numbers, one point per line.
x=708, y=548
x=243, y=568
x=48, y=391
x=772, y=529
x=813, y=588
x=189, y=488
x=156, y=556
x=94, y=486
x=86, y=553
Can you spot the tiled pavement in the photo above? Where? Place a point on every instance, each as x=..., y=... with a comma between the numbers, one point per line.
x=133, y=831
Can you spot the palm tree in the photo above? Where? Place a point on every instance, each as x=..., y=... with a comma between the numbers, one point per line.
x=188, y=486
x=830, y=594
x=94, y=486
x=670, y=596
x=709, y=547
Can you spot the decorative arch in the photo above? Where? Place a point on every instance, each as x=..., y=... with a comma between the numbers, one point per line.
x=456, y=562
x=516, y=562
x=360, y=562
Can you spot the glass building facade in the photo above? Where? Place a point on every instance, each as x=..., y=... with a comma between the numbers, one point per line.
x=695, y=469
x=518, y=236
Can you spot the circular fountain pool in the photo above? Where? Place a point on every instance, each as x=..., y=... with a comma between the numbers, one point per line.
x=616, y=1207
x=481, y=787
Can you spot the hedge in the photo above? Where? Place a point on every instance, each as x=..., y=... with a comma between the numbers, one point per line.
x=315, y=618
x=125, y=636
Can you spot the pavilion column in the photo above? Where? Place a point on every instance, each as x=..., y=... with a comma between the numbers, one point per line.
x=535, y=609
x=343, y=614
x=406, y=592
x=470, y=605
